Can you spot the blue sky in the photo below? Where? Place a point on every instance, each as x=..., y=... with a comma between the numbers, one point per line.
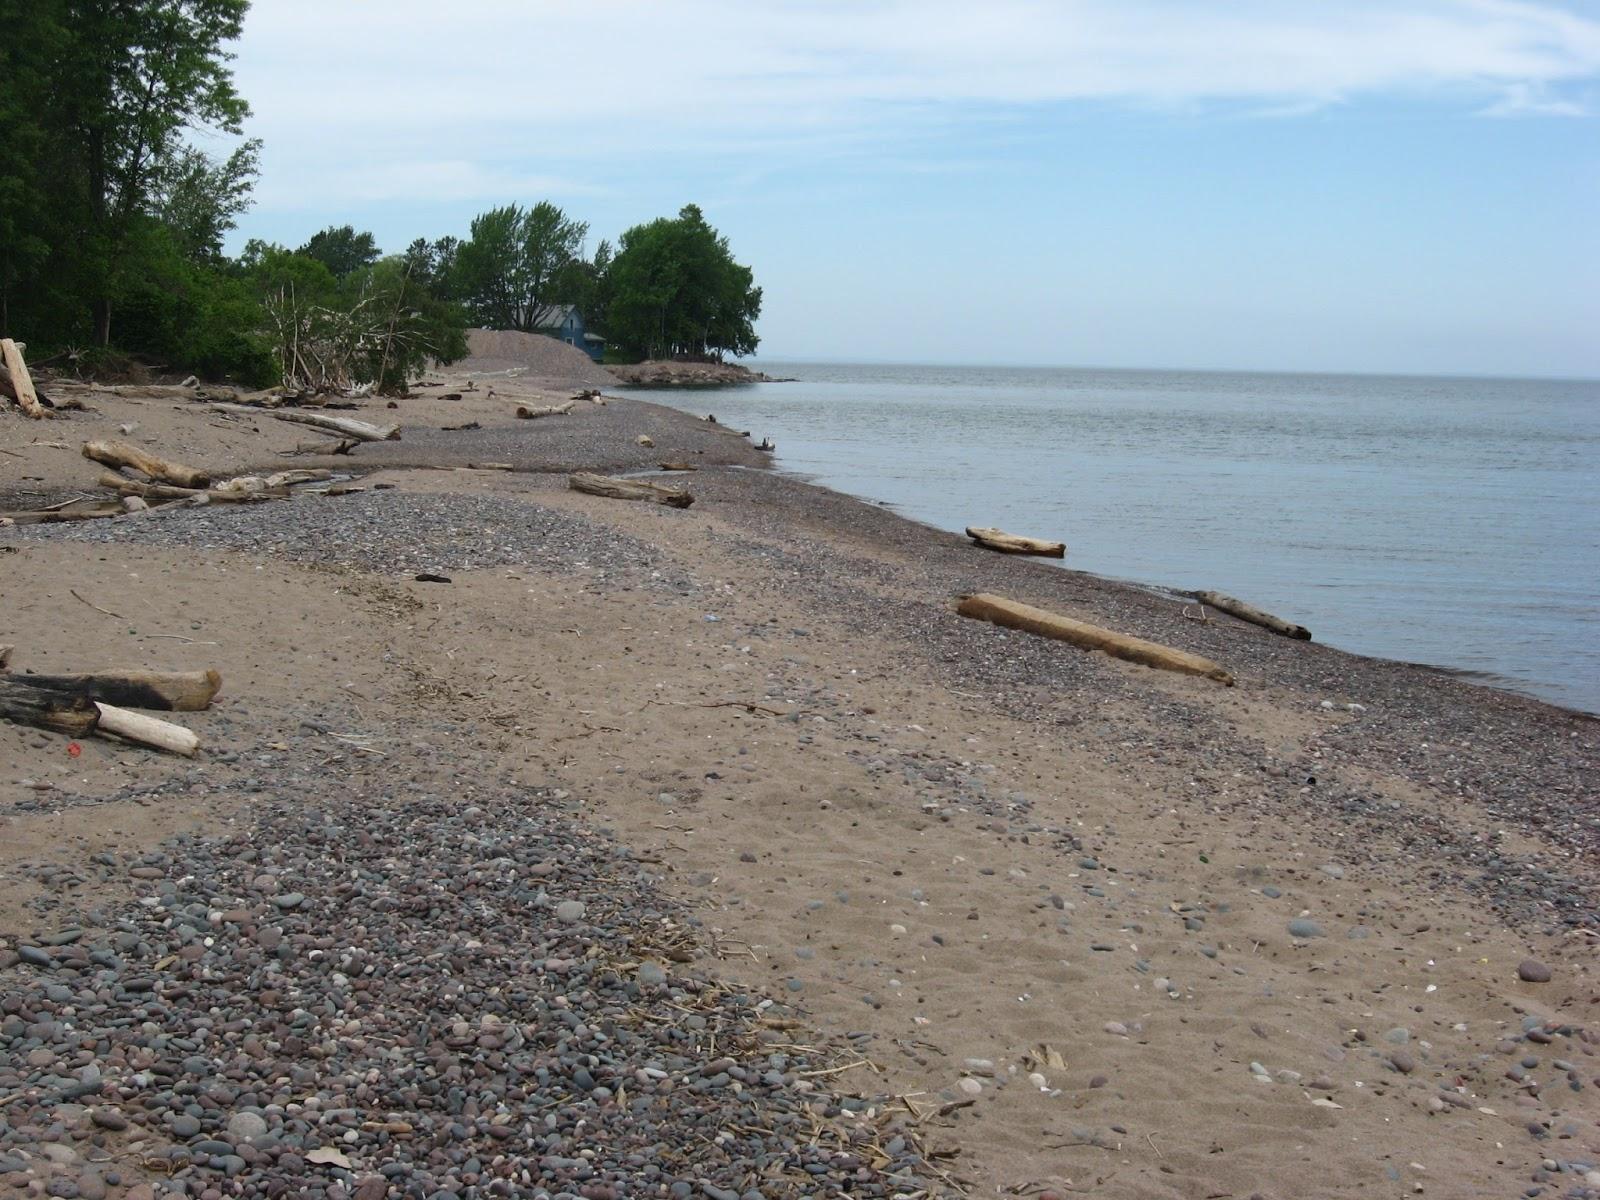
x=1408, y=185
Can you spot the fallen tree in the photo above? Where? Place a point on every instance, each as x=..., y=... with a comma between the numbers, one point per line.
x=1014, y=615
x=125, y=454
x=1254, y=615
x=1011, y=543
x=628, y=489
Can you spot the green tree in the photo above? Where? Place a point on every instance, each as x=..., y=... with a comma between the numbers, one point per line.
x=674, y=290
x=341, y=249
x=516, y=265
x=29, y=219
x=200, y=198
x=131, y=76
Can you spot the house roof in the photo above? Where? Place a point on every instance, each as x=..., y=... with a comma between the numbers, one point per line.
x=555, y=315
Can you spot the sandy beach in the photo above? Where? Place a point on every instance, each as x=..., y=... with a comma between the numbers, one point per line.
x=673, y=852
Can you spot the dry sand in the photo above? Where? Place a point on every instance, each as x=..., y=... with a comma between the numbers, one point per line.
x=1066, y=889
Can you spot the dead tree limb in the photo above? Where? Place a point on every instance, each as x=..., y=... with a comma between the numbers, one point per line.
x=125, y=454
x=19, y=382
x=628, y=489
x=167, y=691
x=1011, y=543
x=1254, y=615
x=24, y=704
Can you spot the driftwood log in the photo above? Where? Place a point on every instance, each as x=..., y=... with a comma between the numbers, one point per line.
x=19, y=384
x=349, y=427
x=168, y=691
x=1025, y=617
x=147, y=731
x=629, y=489
x=1011, y=543
x=126, y=454
x=25, y=704
x=677, y=466
x=166, y=491
x=524, y=413
x=56, y=516
x=1254, y=615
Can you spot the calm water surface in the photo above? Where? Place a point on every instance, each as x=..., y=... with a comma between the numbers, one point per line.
x=1444, y=521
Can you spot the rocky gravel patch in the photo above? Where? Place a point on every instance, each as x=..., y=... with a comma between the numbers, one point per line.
x=430, y=995
x=394, y=532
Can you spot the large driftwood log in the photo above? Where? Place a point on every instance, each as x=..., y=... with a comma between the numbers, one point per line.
x=1011, y=543
x=1025, y=617
x=524, y=413
x=169, y=691
x=25, y=704
x=628, y=489
x=348, y=426
x=1254, y=615
x=125, y=454
x=21, y=383
x=147, y=731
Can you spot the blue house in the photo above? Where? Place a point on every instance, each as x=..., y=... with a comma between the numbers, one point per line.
x=565, y=323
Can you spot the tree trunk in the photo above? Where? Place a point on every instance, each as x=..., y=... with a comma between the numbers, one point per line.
x=628, y=489
x=1254, y=615
x=1089, y=637
x=27, y=705
x=170, y=691
x=102, y=322
x=125, y=454
x=1011, y=543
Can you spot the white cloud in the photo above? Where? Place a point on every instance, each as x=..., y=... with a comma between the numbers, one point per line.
x=342, y=84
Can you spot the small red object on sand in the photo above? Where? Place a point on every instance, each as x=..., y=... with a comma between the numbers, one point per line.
x=74, y=749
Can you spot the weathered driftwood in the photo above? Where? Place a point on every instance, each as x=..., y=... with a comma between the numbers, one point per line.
x=166, y=491
x=147, y=731
x=126, y=454
x=677, y=466
x=629, y=489
x=1025, y=617
x=1254, y=615
x=1012, y=543
x=19, y=382
x=362, y=431
x=169, y=691
x=524, y=413
x=57, y=516
x=24, y=704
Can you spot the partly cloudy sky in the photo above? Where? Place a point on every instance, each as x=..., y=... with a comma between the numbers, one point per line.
x=1393, y=185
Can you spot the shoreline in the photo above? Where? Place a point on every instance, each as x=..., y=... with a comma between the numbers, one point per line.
x=965, y=855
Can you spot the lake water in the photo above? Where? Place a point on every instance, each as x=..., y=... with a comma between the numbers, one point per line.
x=1445, y=521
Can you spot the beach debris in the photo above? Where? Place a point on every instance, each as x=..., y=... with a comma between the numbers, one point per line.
x=72, y=704
x=76, y=510
x=15, y=382
x=677, y=466
x=349, y=427
x=131, y=726
x=524, y=413
x=171, y=691
x=1254, y=615
x=644, y=439
x=767, y=446
x=1012, y=543
x=1015, y=615
x=125, y=454
x=628, y=489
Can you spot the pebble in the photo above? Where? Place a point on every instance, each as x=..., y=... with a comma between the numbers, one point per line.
x=570, y=911
x=1300, y=927
x=1531, y=970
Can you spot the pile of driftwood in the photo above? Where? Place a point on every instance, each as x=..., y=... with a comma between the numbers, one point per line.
x=16, y=384
x=102, y=702
x=139, y=477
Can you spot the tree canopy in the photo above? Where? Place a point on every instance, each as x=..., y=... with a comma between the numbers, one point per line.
x=341, y=249
x=674, y=289
x=516, y=265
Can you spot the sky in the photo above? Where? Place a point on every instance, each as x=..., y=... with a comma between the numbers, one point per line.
x=1321, y=185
